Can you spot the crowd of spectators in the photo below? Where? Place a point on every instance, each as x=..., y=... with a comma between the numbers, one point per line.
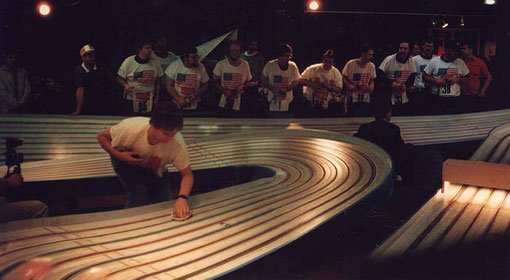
x=244, y=84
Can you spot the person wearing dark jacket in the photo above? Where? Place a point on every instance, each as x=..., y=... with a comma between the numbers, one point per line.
x=387, y=136
x=421, y=168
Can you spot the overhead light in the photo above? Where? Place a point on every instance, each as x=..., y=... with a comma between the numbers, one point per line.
x=434, y=20
x=313, y=5
x=490, y=2
x=462, y=21
x=444, y=23
x=44, y=9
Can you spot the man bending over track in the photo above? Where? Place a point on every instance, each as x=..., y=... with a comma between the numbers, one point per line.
x=140, y=148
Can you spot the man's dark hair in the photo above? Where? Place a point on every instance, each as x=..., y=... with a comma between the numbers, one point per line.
x=142, y=42
x=186, y=51
x=167, y=116
x=451, y=45
x=283, y=48
x=404, y=40
x=234, y=42
x=428, y=40
x=251, y=40
x=468, y=43
x=381, y=108
x=366, y=48
x=156, y=37
x=329, y=54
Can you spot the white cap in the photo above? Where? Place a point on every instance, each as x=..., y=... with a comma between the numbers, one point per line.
x=86, y=49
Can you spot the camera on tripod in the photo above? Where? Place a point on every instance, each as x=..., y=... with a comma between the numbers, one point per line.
x=11, y=157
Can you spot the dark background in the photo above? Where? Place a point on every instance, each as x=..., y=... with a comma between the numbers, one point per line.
x=113, y=27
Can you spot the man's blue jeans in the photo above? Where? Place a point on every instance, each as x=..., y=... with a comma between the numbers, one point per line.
x=142, y=185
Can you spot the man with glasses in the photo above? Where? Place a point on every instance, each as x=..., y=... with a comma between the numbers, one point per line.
x=186, y=79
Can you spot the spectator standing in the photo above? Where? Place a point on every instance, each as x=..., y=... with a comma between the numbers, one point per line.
x=416, y=49
x=322, y=86
x=139, y=76
x=49, y=98
x=474, y=91
x=231, y=76
x=254, y=103
x=14, y=85
x=359, y=75
x=419, y=94
x=400, y=68
x=445, y=74
x=187, y=80
x=279, y=77
x=164, y=57
x=94, y=85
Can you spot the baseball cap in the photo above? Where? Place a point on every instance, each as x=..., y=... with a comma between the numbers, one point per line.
x=86, y=49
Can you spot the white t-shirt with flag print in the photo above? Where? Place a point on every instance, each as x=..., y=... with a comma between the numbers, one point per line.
x=187, y=81
x=357, y=75
x=142, y=77
x=281, y=80
x=420, y=63
x=231, y=78
x=317, y=74
x=400, y=72
x=440, y=69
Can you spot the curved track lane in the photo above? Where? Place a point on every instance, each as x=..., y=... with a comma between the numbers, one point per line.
x=56, y=137
x=317, y=175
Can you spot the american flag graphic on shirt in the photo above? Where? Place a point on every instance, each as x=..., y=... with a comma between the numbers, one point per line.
x=447, y=72
x=363, y=77
x=232, y=80
x=187, y=83
x=144, y=77
x=401, y=75
x=281, y=82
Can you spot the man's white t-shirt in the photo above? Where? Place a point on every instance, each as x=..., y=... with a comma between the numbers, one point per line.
x=400, y=72
x=281, y=80
x=142, y=77
x=317, y=74
x=420, y=63
x=231, y=78
x=132, y=134
x=440, y=69
x=359, y=75
x=164, y=62
x=187, y=81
